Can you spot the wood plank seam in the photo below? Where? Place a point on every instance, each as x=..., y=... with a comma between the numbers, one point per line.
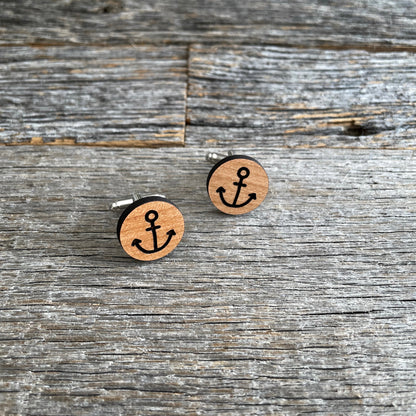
x=350, y=125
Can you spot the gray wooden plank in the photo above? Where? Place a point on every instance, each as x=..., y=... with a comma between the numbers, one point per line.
x=267, y=95
x=306, y=305
x=351, y=23
x=125, y=96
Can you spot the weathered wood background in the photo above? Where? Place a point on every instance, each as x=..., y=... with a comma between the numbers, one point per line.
x=306, y=305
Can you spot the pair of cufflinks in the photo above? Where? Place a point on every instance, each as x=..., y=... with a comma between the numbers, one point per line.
x=151, y=227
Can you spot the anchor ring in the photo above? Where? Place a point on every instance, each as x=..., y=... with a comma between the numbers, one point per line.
x=243, y=173
x=152, y=213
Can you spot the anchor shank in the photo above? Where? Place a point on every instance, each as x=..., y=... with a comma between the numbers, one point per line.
x=154, y=233
x=237, y=194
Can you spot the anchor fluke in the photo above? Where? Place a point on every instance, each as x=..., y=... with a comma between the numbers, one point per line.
x=151, y=217
x=136, y=242
x=242, y=174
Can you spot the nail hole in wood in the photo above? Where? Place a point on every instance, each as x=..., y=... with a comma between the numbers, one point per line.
x=356, y=130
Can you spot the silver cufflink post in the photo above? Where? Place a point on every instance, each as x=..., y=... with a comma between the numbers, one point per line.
x=216, y=157
x=126, y=202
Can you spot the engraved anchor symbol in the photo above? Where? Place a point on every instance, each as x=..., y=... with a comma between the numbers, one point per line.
x=151, y=217
x=242, y=173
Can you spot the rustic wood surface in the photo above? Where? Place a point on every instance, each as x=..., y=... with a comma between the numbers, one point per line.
x=305, y=305
x=118, y=96
x=267, y=95
x=230, y=96
x=368, y=24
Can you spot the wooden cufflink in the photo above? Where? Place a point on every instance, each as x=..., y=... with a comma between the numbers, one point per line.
x=236, y=184
x=150, y=227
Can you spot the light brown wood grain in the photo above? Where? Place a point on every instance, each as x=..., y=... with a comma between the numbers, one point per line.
x=224, y=189
x=136, y=230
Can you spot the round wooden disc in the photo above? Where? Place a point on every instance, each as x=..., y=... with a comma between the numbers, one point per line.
x=150, y=228
x=237, y=184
